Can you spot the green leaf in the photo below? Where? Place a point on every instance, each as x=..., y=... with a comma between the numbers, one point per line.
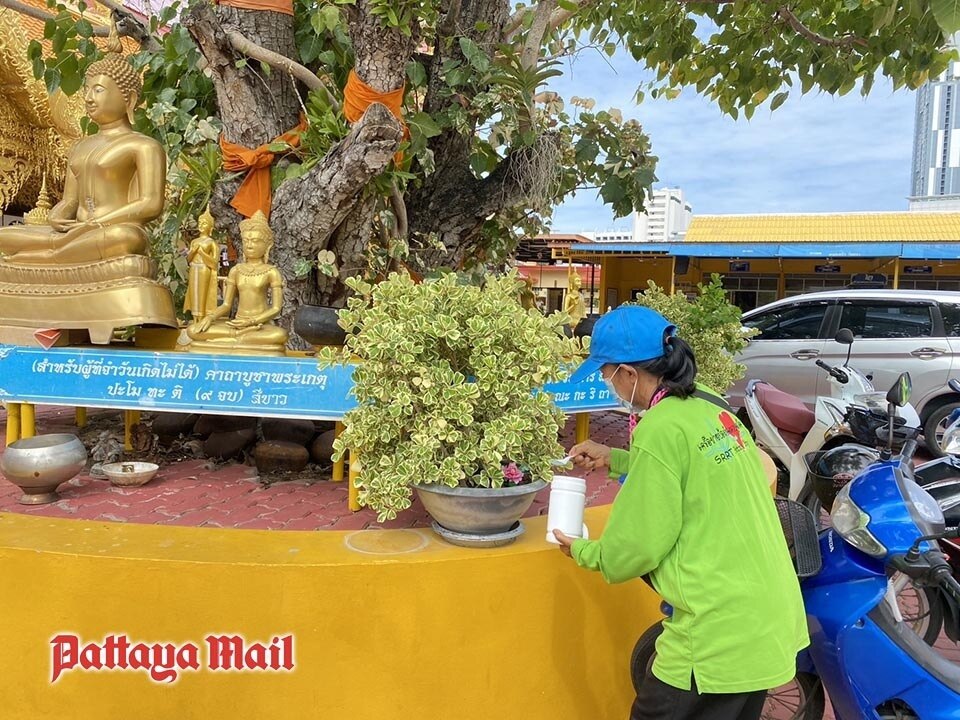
x=52, y=79
x=423, y=124
x=947, y=15
x=72, y=79
x=38, y=68
x=416, y=74
x=34, y=50
x=778, y=100
x=474, y=55
x=84, y=28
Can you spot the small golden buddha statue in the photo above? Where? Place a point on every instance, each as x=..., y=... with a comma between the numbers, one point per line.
x=114, y=182
x=83, y=263
x=204, y=259
x=573, y=304
x=251, y=283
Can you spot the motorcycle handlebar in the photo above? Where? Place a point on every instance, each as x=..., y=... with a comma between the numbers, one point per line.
x=840, y=375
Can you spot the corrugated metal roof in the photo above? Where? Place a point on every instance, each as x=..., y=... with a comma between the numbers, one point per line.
x=827, y=227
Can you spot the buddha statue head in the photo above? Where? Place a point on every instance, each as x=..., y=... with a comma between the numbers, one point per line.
x=256, y=237
x=205, y=223
x=112, y=86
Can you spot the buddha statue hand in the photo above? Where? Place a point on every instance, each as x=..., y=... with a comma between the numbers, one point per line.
x=241, y=324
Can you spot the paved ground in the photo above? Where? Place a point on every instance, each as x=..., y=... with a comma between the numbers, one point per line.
x=194, y=493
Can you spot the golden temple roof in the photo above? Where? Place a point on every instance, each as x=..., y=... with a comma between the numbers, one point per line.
x=827, y=227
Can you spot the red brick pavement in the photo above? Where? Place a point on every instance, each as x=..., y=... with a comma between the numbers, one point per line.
x=194, y=493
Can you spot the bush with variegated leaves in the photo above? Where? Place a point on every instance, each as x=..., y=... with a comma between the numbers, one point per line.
x=447, y=381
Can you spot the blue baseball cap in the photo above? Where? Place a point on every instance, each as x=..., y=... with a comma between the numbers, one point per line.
x=627, y=334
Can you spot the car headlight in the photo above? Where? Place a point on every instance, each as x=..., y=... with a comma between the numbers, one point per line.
x=851, y=522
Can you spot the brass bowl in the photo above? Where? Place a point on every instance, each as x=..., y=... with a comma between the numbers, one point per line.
x=130, y=474
x=39, y=464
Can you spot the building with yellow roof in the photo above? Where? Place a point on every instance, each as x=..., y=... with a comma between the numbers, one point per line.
x=767, y=257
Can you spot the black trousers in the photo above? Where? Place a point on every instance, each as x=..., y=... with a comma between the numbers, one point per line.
x=659, y=701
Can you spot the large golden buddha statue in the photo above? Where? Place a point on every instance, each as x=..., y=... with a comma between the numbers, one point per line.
x=93, y=249
x=257, y=288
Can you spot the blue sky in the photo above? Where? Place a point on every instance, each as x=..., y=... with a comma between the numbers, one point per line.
x=816, y=153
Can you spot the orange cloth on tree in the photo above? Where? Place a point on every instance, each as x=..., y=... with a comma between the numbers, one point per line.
x=358, y=96
x=280, y=6
x=254, y=192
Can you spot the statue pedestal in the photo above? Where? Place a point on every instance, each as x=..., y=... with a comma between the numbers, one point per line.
x=10, y=335
x=97, y=297
x=226, y=347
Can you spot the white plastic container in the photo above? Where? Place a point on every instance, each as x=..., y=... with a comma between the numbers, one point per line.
x=565, y=511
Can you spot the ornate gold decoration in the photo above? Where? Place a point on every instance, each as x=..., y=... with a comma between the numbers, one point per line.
x=41, y=213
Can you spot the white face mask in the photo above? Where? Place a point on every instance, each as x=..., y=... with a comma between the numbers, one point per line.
x=627, y=405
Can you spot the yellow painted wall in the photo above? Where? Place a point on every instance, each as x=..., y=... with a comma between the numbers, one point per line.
x=626, y=274
x=387, y=624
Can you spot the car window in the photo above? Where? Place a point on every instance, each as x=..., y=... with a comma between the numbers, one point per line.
x=951, y=319
x=887, y=320
x=794, y=322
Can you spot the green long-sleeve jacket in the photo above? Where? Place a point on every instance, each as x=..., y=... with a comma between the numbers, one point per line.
x=695, y=512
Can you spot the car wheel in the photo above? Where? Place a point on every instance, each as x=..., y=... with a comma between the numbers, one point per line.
x=935, y=426
x=800, y=699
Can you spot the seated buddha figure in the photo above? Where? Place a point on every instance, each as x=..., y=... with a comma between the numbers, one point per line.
x=114, y=183
x=257, y=287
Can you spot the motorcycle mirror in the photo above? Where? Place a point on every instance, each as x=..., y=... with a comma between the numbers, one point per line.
x=844, y=336
x=899, y=394
x=954, y=385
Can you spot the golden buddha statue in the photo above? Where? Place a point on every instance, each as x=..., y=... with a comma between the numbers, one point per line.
x=204, y=259
x=573, y=304
x=114, y=183
x=86, y=266
x=251, y=283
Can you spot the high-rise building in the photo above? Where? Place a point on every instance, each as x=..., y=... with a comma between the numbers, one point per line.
x=665, y=219
x=935, y=182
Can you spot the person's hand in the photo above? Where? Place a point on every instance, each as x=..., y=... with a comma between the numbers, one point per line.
x=566, y=542
x=590, y=455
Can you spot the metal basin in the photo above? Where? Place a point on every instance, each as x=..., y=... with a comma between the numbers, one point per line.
x=38, y=464
x=478, y=510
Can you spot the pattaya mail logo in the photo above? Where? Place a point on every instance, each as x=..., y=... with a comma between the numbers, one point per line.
x=163, y=662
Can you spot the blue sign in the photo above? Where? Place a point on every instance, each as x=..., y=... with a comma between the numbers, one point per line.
x=212, y=384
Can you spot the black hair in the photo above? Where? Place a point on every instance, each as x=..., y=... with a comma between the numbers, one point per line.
x=676, y=368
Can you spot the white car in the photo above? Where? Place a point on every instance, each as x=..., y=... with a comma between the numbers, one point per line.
x=895, y=331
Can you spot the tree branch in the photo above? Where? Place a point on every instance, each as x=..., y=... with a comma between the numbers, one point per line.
x=129, y=25
x=786, y=15
x=249, y=48
x=538, y=28
x=307, y=210
x=560, y=16
x=38, y=14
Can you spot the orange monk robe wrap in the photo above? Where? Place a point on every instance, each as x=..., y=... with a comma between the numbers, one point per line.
x=280, y=6
x=254, y=192
x=358, y=96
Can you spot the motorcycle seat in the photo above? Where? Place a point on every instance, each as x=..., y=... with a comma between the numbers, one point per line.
x=787, y=413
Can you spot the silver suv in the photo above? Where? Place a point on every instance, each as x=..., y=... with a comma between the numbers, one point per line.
x=895, y=331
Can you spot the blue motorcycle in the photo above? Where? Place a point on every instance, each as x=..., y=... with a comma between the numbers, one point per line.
x=870, y=662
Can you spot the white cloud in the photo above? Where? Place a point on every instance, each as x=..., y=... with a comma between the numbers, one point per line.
x=816, y=153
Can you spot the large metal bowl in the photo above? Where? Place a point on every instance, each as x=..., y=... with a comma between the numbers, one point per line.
x=478, y=510
x=39, y=464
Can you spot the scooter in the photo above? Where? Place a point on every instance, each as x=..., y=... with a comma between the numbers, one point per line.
x=870, y=663
x=787, y=430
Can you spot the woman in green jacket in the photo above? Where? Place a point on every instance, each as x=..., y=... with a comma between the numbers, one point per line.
x=695, y=516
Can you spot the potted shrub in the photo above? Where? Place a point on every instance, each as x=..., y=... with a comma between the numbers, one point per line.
x=447, y=384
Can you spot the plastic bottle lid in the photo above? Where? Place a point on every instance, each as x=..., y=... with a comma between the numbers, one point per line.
x=566, y=482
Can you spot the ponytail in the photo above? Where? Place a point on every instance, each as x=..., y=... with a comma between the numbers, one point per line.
x=676, y=368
